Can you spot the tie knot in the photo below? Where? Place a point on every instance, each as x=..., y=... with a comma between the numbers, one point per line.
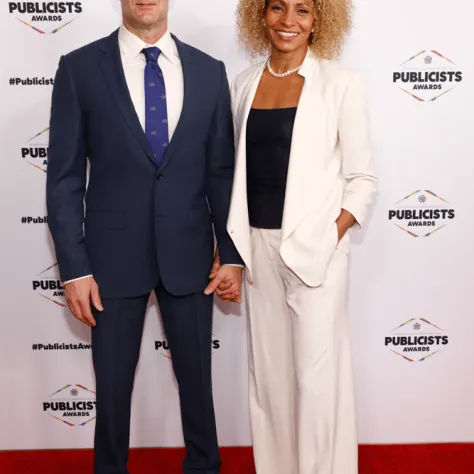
x=151, y=54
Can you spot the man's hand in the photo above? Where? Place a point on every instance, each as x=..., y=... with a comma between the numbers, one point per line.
x=215, y=266
x=226, y=282
x=79, y=295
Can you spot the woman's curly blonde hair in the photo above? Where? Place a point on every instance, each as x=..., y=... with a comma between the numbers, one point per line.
x=332, y=22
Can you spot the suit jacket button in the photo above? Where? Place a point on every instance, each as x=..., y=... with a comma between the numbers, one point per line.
x=158, y=177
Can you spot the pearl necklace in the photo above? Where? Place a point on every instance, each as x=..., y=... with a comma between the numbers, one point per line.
x=285, y=74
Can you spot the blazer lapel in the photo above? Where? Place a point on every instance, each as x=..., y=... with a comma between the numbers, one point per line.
x=113, y=70
x=238, y=218
x=238, y=223
x=248, y=96
x=308, y=145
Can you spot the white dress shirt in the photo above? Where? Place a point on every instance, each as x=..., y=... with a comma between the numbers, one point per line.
x=134, y=62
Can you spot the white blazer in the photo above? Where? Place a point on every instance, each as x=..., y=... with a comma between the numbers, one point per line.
x=330, y=167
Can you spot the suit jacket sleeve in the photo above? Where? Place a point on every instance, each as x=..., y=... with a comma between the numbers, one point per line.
x=354, y=136
x=66, y=178
x=220, y=171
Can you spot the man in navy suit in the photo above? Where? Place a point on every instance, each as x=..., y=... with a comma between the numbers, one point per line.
x=152, y=115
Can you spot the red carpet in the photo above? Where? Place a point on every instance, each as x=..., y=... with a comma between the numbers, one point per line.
x=399, y=459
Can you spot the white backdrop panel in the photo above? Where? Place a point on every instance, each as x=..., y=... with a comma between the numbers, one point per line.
x=422, y=153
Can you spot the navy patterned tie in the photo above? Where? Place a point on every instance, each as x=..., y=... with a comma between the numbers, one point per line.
x=156, y=114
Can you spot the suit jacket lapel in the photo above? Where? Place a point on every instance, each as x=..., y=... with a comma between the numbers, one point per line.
x=113, y=70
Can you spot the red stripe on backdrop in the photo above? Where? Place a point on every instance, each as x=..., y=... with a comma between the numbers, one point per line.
x=380, y=459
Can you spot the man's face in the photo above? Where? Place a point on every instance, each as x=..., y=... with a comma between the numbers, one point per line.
x=145, y=13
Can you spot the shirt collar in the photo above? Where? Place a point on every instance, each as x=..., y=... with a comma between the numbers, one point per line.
x=131, y=45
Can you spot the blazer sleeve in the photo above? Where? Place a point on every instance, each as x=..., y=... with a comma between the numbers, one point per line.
x=220, y=171
x=355, y=142
x=66, y=177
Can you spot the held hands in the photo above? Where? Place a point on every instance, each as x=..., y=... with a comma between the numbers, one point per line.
x=226, y=281
x=79, y=295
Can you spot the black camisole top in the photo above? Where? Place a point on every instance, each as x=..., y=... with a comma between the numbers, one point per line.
x=269, y=135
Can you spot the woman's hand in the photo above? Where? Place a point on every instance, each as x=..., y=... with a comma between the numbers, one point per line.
x=344, y=222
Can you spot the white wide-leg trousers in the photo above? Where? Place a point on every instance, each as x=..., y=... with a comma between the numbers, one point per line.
x=301, y=380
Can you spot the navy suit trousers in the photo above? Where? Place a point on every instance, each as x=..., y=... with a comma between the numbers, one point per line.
x=116, y=340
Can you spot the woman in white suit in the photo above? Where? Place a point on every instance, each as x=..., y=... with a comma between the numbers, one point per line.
x=303, y=178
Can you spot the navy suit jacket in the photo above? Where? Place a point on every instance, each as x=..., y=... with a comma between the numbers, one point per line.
x=139, y=223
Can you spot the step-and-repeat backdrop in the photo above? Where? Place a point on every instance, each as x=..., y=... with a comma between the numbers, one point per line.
x=411, y=275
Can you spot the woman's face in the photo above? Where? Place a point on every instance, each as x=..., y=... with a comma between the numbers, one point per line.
x=289, y=23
